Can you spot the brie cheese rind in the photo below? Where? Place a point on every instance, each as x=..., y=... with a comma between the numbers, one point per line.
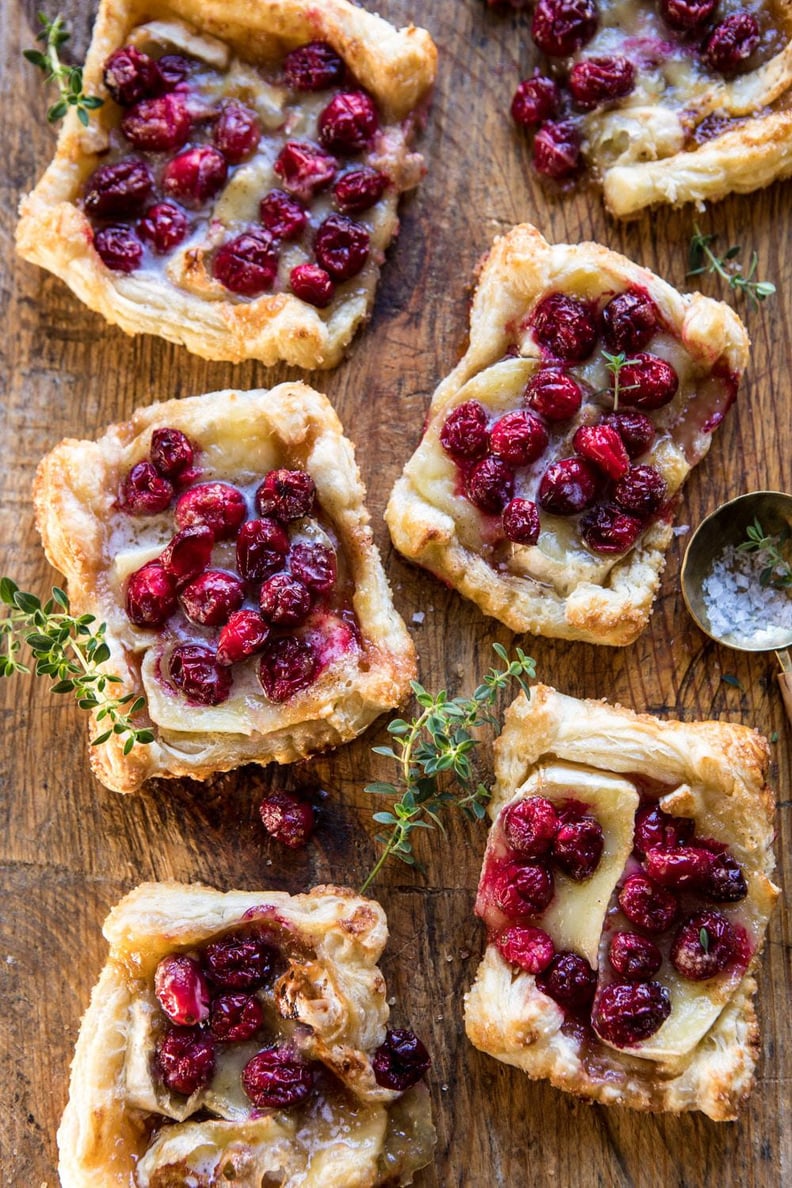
x=96, y=546
x=704, y=1055
x=359, y=1136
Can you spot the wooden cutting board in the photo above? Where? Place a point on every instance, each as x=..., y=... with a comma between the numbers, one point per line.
x=70, y=849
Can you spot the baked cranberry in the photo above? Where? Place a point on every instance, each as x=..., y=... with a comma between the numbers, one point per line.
x=195, y=175
x=188, y=553
x=284, y=601
x=634, y=957
x=311, y=283
x=236, y=1017
x=314, y=564
x=519, y=438
x=238, y=961
x=288, y=819
x=726, y=881
x=594, y=81
x=185, y=1058
x=682, y=866
x=276, y=1079
x=287, y=666
x=237, y=132
x=313, y=67
x=520, y=521
x=654, y=827
x=554, y=394
x=634, y=428
x=400, y=1061
x=686, y=15
x=642, y=491
x=244, y=634
x=359, y=189
x=603, y=446
x=151, y=596
x=530, y=825
x=261, y=548
x=181, y=990
x=131, y=75
x=464, y=433
x=217, y=505
x=646, y=905
x=157, y=125
x=524, y=889
x=118, y=248
x=556, y=149
x=490, y=484
x=248, y=263
x=173, y=69
x=144, y=492
x=283, y=216
x=171, y=452
x=287, y=495
x=628, y=321
x=578, y=846
x=118, y=189
x=564, y=327
x=731, y=43
x=567, y=487
x=304, y=169
x=341, y=247
x=535, y=100
x=607, y=529
x=212, y=598
x=559, y=27
x=164, y=226
x=704, y=945
x=629, y=1012
x=194, y=669
x=569, y=980
x=647, y=381
x=527, y=948
x=349, y=122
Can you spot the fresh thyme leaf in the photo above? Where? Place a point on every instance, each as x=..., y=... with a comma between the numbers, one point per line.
x=614, y=364
x=774, y=737
x=702, y=258
x=704, y=939
x=69, y=79
x=729, y=678
x=777, y=573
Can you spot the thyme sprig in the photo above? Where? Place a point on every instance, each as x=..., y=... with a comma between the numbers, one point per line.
x=433, y=755
x=69, y=79
x=777, y=573
x=69, y=649
x=614, y=364
x=701, y=258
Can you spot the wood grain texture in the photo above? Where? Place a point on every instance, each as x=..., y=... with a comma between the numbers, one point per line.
x=70, y=849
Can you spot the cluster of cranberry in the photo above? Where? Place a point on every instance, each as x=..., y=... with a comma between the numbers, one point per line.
x=144, y=198
x=488, y=452
x=286, y=579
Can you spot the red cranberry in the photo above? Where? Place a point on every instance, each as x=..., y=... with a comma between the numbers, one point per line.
x=606, y=529
x=687, y=15
x=313, y=67
x=578, y=847
x=527, y=948
x=194, y=669
x=647, y=381
x=164, y=226
x=118, y=189
x=144, y=492
x=216, y=505
x=634, y=428
x=118, y=248
x=554, y=394
x=535, y=100
x=212, y=598
x=556, y=149
x=489, y=485
x=195, y=175
x=642, y=491
x=276, y=1079
x=284, y=601
x=731, y=43
x=261, y=548
x=400, y=1061
x=704, y=945
x=237, y=132
x=569, y=980
x=567, y=487
x=157, y=125
x=628, y=321
x=304, y=169
x=244, y=634
x=654, y=827
x=359, y=189
x=565, y=327
x=185, y=1059
x=341, y=247
x=151, y=596
x=524, y=889
x=130, y=75
x=349, y=122
x=520, y=522
x=171, y=452
x=464, y=433
x=530, y=825
x=236, y=1017
x=188, y=553
x=634, y=956
x=519, y=438
x=239, y=961
x=287, y=495
x=173, y=69
x=287, y=666
x=629, y=1012
x=282, y=216
x=314, y=564
x=646, y=905
x=594, y=81
x=726, y=881
x=288, y=819
x=181, y=990
x=603, y=446
x=559, y=27
x=248, y=263
x=311, y=283
x=682, y=866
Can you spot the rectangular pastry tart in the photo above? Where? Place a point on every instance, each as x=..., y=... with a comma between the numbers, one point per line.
x=242, y=1038
x=545, y=485
x=238, y=187
x=626, y=890
x=224, y=541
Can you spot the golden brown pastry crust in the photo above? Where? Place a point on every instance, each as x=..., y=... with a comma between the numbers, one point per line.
x=520, y=269
x=75, y=492
x=396, y=66
x=724, y=767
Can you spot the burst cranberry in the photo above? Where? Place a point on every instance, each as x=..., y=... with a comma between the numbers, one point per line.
x=554, y=394
x=682, y=866
x=195, y=175
x=634, y=428
x=171, y=452
x=144, y=492
x=287, y=666
x=527, y=948
x=287, y=495
x=194, y=669
x=118, y=248
x=634, y=957
x=646, y=905
x=686, y=15
x=157, y=125
x=313, y=67
x=311, y=283
x=237, y=132
x=628, y=321
x=359, y=189
x=731, y=43
x=288, y=819
x=164, y=226
x=130, y=75
x=569, y=980
x=217, y=505
x=244, y=634
x=118, y=189
x=519, y=438
x=647, y=381
x=564, y=327
x=530, y=825
x=185, y=1058
x=535, y=100
x=567, y=487
x=236, y=1017
x=603, y=446
x=181, y=990
x=284, y=601
x=400, y=1061
x=349, y=122
x=520, y=522
x=464, y=433
x=704, y=945
x=629, y=1012
x=315, y=565
x=341, y=247
x=212, y=598
x=261, y=548
x=726, y=881
x=239, y=961
x=173, y=69
x=594, y=81
x=489, y=485
x=642, y=491
x=559, y=27
x=578, y=847
x=283, y=216
x=276, y=1079
x=304, y=169
x=556, y=149
x=654, y=827
x=524, y=889
x=607, y=529
x=247, y=264
x=188, y=553
x=151, y=596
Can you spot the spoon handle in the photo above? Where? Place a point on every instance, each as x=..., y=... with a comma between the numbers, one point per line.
x=785, y=681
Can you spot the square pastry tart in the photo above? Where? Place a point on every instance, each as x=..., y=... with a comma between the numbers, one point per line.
x=626, y=890
x=241, y=1038
x=238, y=188
x=224, y=541
x=545, y=485
x=684, y=100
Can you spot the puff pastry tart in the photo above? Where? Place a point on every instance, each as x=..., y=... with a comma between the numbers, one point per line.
x=242, y=1038
x=680, y=101
x=224, y=541
x=238, y=189
x=626, y=890
x=545, y=484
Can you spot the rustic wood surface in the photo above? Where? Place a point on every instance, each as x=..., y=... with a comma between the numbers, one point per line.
x=70, y=848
